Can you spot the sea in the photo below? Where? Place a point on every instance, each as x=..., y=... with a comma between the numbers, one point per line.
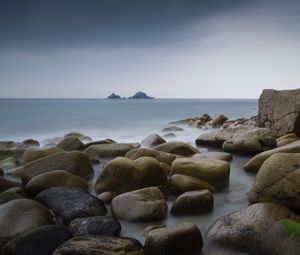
x=130, y=120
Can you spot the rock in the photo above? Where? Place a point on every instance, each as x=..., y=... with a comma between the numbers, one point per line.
x=215, y=172
x=146, y=204
x=40, y=241
x=161, y=156
x=214, y=155
x=108, y=151
x=169, y=135
x=240, y=139
x=152, y=140
x=180, y=239
x=74, y=134
x=172, y=129
x=278, y=181
x=279, y=111
x=21, y=215
x=245, y=228
x=69, y=203
x=74, y=162
x=286, y=139
x=123, y=174
x=152, y=227
x=9, y=163
x=71, y=143
x=283, y=237
x=54, y=179
x=166, y=168
x=178, y=148
x=105, y=141
x=11, y=194
x=196, y=121
x=240, y=121
x=255, y=163
x=180, y=183
x=31, y=143
x=12, y=149
x=37, y=153
x=6, y=184
x=100, y=245
x=217, y=122
x=193, y=202
x=98, y=225
x=113, y=96
x=106, y=197
x=140, y=95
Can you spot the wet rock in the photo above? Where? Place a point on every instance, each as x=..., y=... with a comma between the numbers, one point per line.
x=180, y=239
x=152, y=140
x=172, y=129
x=37, y=153
x=286, y=139
x=180, y=183
x=11, y=194
x=123, y=174
x=69, y=203
x=9, y=163
x=214, y=155
x=177, y=148
x=100, y=245
x=193, y=202
x=245, y=228
x=108, y=151
x=21, y=215
x=40, y=241
x=146, y=204
x=161, y=156
x=54, y=179
x=71, y=143
x=6, y=184
x=214, y=172
x=98, y=225
x=278, y=181
x=31, y=143
x=255, y=163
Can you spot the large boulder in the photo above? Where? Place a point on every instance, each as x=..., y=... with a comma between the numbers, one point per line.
x=31, y=142
x=71, y=143
x=193, y=202
x=123, y=174
x=152, y=140
x=97, y=225
x=184, y=238
x=74, y=162
x=100, y=245
x=41, y=241
x=214, y=155
x=178, y=148
x=181, y=183
x=279, y=110
x=161, y=156
x=140, y=205
x=108, y=151
x=245, y=228
x=69, y=203
x=286, y=139
x=37, y=153
x=240, y=139
x=214, y=172
x=12, y=149
x=255, y=163
x=21, y=215
x=54, y=179
x=278, y=181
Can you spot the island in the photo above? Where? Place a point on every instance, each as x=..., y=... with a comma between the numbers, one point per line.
x=140, y=95
x=114, y=96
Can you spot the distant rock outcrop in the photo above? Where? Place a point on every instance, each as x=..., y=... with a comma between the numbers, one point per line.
x=114, y=96
x=279, y=110
x=140, y=95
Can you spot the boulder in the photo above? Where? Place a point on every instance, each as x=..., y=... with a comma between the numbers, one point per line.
x=11, y=194
x=9, y=163
x=245, y=228
x=108, y=151
x=279, y=111
x=218, y=121
x=286, y=139
x=69, y=203
x=21, y=215
x=215, y=172
x=31, y=143
x=214, y=155
x=184, y=238
x=74, y=162
x=278, y=181
x=152, y=140
x=172, y=129
x=193, y=202
x=178, y=148
x=161, y=156
x=37, y=153
x=97, y=225
x=40, y=241
x=12, y=149
x=123, y=174
x=146, y=204
x=74, y=134
x=240, y=139
x=6, y=184
x=54, y=179
x=71, y=143
x=105, y=141
x=100, y=245
x=106, y=197
x=255, y=163
x=181, y=183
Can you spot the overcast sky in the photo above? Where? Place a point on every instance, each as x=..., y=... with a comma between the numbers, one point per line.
x=167, y=48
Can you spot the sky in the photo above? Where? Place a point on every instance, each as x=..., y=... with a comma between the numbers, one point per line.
x=166, y=48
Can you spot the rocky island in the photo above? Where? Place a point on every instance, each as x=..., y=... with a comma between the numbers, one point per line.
x=113, y=96
x=140, y=95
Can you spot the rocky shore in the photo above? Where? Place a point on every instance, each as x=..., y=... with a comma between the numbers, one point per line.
x=75, y=195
